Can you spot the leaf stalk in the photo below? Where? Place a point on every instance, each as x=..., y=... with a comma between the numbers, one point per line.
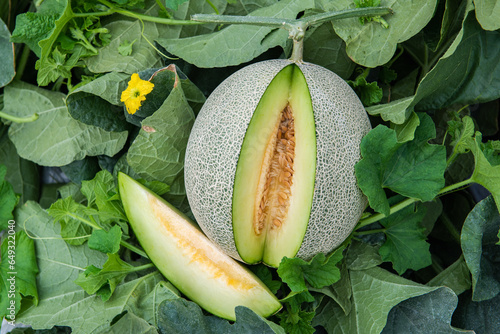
x=395, y=208
x=16, y=119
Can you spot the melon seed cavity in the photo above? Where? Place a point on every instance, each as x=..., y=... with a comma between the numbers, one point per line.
x=273, y=201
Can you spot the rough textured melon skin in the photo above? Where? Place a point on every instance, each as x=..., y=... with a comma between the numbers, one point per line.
x=217, y=135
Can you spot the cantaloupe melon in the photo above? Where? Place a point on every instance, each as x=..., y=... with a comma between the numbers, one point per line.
x=269, y=166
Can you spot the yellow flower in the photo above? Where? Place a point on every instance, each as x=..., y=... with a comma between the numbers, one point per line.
x=136, y=93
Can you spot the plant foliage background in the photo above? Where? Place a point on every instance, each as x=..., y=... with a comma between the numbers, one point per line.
x=423, y=259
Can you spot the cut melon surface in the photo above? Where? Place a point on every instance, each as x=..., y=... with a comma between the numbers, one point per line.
x=188, y=259
x=274, y=180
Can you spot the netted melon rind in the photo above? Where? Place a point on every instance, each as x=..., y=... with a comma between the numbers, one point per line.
x=217, y=135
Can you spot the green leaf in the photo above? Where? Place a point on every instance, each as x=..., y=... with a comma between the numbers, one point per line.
x=157, y=153
x=395, y=111
x=405, y=245
x=375, y=292
x=106, y=241
x=462, y=134
x=473, y=81
x=80, y=170
x=296, y=321
x=130, y=324
x=236, y=44
x=406, y=131
x=144, y=56
x=32, y=28
x=98, y=102
x=7, y=69
x=93, y=110
x=481, y=317
x=457, y=277
x=182, y=316
x=361, y=256
x=55, y=139
x=62, y=14
x=323, y=47
x=108, y=87
x=21, y=174
x=264, y=274
x=320, y=271
x=438, y=32
x=73, y=218
x=368, y=93
x=478, y=240
x=18, y=270
x=487, y=13
x=157, y=187
x=429, y=313
x=371, y=44
x=340, y=291
x=102, y=193
x=174, y=4
x=484, y=173
x=8, y=199
x=61, y=301
x=103, y=282
x=125, y=48
x=413, y=169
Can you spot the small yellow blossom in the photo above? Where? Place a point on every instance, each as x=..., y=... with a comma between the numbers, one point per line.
x=136, y=93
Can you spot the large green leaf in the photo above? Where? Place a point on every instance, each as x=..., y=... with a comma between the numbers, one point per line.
x=7, y=69
x=478, y=239
x=130, y=324
x=157, y=153
x=485, y=173
x=236, y=44
x=192, y=7
x=372, y=45
x=413, y=169
x=405, y=244
x=64, y=303
x=182, y=316
x=143, y=55
x=482, y=317
x=8, y=199
x=429, y=313
x=18, y=270
x=319, y=272
x=98, y=102
x=375, y=292
x=48, y=68
x=467, y=73
x=323, y=47
x=395, y=111
x=21, y=174
x=55, y=138
x=457, y=277
x=487, y=13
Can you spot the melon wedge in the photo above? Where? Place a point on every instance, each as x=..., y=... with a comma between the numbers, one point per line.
x=275, y=175
x=188, y=259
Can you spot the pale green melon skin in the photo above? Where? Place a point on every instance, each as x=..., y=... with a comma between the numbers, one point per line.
x=217, y=135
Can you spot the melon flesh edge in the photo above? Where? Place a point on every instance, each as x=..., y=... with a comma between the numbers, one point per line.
x=188, y=259
x=217, y=136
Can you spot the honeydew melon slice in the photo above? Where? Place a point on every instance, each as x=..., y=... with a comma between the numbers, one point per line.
x=188, y=259
x=275, y=174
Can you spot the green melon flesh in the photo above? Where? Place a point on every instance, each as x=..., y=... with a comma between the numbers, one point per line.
x=276, y=174
x=188, y=259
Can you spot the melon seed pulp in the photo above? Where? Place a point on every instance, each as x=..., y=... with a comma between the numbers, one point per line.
x=274, y=180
